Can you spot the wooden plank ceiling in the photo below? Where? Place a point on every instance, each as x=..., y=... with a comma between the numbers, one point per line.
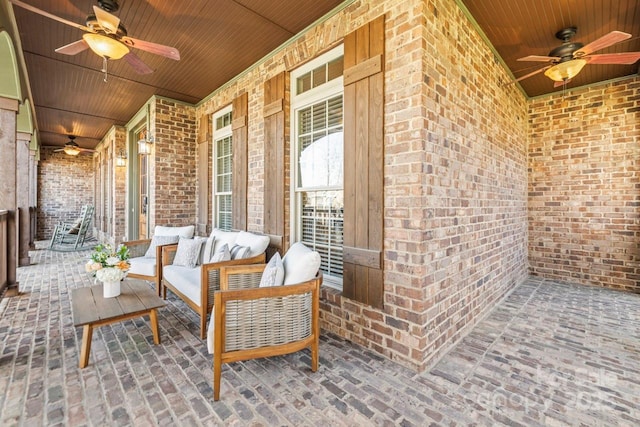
x=218, y=39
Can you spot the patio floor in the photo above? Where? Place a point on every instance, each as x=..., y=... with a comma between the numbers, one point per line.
x=550, y=354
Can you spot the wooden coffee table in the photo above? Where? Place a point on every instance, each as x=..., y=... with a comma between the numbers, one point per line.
x=91, y=309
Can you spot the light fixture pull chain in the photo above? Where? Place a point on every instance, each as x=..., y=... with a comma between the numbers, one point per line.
x=104, y=68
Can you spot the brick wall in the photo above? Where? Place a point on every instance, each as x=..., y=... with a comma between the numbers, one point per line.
x=584, y=185
x=173, y=165
x=65, y=183
x=455, y=176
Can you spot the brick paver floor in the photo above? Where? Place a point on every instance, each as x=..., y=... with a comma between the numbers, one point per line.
x=550, y=354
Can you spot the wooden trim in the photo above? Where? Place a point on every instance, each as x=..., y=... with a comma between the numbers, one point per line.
x=239, y=122
x=275, y=125
x=273, y=108
x=364, y=164
x=204, y=128
x=240, y=108
x=362, y=257
x=9, y=104
x=363, y=70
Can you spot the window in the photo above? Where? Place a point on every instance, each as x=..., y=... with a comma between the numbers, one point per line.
x=317, y=156
x=222, y=169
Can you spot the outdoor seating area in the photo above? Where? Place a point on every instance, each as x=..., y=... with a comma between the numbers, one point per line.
x=363, y=213
x=550, y=354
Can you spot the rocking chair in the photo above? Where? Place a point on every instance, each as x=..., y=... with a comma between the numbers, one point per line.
x=74, y=232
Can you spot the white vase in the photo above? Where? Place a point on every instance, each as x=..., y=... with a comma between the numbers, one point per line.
x=110, y=289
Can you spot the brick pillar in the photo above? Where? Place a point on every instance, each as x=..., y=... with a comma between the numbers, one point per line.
x=33, y=196
x=8, y=196
x=22, y=196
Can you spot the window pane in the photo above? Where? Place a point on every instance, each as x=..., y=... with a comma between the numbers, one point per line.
x=304, y=83
x=322, y=224
x=334, y=68
x=320, y=149
x=320, y=76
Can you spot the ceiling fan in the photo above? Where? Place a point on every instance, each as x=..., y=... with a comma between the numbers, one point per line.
x=568, y=59
x=72, y=148
x=107, y=37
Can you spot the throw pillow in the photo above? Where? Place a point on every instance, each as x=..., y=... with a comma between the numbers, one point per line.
x=188, y=252
x=273, y=274
x=240, y=252
x=207, y=251
x=301, y=264
x=223, y=254
x=160, y=241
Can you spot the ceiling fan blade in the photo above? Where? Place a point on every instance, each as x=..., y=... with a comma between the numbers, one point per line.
x=158, y=49
x=107, y=21
x=49, y=15
x=73, y=48
x=137, y=64
x=526, y=76
x=605, y=41
x=538, y=58
x=614, y=58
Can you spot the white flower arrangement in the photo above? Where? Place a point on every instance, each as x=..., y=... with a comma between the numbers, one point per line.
x=110, y=274
x=108, y=265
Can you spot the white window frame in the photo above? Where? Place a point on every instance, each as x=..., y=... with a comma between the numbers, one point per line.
x=299, y=101
x=218, y=134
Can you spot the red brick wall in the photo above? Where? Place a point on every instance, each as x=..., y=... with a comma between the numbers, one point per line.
x=455, y=176
x=584, y=186
x=173, y=168
x=65, y=183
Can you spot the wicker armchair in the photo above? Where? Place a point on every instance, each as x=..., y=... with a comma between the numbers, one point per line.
x=208, y=282
x=249, y=322
x=147, y=267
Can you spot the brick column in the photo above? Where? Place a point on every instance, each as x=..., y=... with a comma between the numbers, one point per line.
x=22, y=195
x=8, y=197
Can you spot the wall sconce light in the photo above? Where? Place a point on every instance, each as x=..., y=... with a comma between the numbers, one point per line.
x=144, y=144
x=121, y=159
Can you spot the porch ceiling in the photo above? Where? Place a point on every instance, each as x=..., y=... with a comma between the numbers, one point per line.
x=218, y=39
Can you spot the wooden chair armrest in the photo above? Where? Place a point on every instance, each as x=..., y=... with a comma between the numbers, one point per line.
x=132, y=243
x=258, y=259
x=137, y=248
x=168, y=253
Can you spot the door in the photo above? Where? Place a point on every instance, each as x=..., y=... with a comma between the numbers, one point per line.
x=143, y=196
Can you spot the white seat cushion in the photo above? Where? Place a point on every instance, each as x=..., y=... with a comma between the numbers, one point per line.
x=184, y=279
x=186, y=232
x=257, y=242
x=143, y=265
x=301, y=264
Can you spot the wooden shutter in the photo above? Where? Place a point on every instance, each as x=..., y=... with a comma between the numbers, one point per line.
x=274, y=159
x=363, y=163
x=239, y=126
x=204, y=182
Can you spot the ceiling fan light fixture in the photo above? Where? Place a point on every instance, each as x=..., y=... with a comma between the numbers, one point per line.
x=105, y=46
x=565, y=70
x=71, y=150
